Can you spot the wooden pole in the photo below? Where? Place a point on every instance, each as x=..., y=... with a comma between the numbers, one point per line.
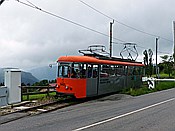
x=110, y=41
x=156, y=57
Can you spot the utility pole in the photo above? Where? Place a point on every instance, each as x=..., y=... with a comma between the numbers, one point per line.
x=110, y=42
x=156, y=57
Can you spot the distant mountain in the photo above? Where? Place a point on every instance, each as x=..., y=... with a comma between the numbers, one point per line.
x=44, y=72
x=26, y=77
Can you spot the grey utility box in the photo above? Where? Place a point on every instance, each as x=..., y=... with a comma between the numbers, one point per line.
x=3, y=96
x=13, y=84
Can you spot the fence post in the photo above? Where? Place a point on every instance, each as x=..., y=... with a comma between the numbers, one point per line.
x=48, y=90
x=27, y=94
x=21, y=93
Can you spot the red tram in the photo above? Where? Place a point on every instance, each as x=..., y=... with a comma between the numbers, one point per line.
x=88, y=76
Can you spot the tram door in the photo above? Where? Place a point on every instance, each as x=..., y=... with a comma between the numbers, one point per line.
x=92, y=80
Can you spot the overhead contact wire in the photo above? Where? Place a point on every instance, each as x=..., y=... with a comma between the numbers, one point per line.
x=138, y=30
x=67, y=20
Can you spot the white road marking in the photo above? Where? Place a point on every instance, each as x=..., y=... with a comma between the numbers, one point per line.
x=123, y=115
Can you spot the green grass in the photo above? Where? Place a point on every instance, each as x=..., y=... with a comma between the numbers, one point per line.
x=161, y=75
x=145, y=90
x=38, y=96
x=137, y=92
x=164, y=86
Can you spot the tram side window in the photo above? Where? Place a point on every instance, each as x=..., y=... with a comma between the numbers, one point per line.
x=89, y=71
x=132, y=70
x=129, y=70
x=79, y=70
x=83, y=68
x=104, y=71
x=123, y=70
x=75, y=70
x=112, y=70
x=126, y=70
x=108, y=71
x=92, y=71
x=141, y=70
x=120, y=70
x=137, y=71
x=95, y=71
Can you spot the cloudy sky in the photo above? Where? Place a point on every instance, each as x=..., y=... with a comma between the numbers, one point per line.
x=30, y=38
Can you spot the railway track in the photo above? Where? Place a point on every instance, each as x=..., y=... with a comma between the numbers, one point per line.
x=31, y=108
x=18, y=112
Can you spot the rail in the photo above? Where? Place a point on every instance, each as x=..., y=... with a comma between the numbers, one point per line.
x=34, y=90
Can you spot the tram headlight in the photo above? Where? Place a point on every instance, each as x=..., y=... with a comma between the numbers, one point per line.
x=57, y=86
x=67, y=87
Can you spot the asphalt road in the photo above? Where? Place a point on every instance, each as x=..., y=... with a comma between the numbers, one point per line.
x=151, y=112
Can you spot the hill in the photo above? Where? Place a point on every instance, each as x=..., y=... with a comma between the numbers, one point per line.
x=27, y=77
x=45, y=72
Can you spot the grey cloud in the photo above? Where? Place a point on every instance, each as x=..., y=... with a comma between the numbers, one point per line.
x=31, y=38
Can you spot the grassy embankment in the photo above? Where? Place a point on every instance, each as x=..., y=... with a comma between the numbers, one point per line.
x=145, y=90
x=158, y=87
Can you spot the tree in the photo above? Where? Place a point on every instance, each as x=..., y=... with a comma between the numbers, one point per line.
x=167, y=63
x=145, y=57
x=148, y=62
x=42, y=83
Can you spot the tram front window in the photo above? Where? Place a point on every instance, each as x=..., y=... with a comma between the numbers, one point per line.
x=63, y=71
x=77, y=70
x=68, y=70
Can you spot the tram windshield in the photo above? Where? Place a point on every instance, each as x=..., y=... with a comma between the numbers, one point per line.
x=63, y=70
x=77, y=70
x=69, y=70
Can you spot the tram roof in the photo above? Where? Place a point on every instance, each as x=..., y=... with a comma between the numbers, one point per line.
x=94, y=60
